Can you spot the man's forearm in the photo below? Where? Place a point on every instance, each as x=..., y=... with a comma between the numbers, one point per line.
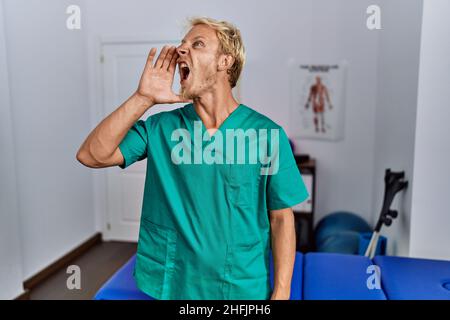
x=155, y=86
x=283, y=251
x=106, y=137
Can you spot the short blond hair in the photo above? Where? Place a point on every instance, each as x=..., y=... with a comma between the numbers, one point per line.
x=230, y=43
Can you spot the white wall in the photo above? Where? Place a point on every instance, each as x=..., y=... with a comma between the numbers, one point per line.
x=430, y=215
x=396, y=104
x=50, y=117
x=10, y=244
x=345, y=168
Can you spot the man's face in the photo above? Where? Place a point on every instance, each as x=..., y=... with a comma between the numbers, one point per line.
x=198, y=61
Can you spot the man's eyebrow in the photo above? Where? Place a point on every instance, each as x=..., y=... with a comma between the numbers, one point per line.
x=195, y=38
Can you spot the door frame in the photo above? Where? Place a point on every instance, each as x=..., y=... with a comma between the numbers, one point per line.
x=96, y=101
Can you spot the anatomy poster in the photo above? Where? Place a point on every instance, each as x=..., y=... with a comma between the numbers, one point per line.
x=317, y=101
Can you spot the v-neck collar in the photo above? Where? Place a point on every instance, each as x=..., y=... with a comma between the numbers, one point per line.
x=225, y=124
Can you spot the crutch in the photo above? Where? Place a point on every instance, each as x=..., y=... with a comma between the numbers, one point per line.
x=394, y=183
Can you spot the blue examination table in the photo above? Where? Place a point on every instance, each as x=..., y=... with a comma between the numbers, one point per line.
x=331, y=276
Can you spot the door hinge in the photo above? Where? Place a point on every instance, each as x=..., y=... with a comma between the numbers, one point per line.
x=108, y=226
x=102, y=58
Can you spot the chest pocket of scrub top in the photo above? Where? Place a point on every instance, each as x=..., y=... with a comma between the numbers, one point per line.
x=156, y=256
x=242, y=182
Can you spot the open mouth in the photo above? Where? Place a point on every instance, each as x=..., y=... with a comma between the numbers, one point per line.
x=184, y=71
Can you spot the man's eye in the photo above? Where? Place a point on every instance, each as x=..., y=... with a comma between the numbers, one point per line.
x=197, y=43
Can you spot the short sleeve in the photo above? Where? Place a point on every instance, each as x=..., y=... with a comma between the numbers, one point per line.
x=285, y=187
x=134, y=144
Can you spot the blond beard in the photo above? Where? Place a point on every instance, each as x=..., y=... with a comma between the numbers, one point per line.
x=185, y=95
x=208, y=83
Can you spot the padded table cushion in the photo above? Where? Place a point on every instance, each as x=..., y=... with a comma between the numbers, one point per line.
x=412, y=279
x=334, y=276
x=330, y=276
x=122, y=286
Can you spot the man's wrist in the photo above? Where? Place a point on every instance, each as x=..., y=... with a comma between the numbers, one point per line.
x=281, y=294
x=143, y=101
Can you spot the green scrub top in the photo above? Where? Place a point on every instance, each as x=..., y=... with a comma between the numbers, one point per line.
x=205, y=228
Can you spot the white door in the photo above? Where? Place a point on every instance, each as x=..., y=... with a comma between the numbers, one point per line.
x=121, y=70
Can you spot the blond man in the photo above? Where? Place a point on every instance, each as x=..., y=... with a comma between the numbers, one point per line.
x=207, y=227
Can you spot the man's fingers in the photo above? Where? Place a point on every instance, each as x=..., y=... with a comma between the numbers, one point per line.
x=161, y=57
x=150, y=57
x=173, y=62
x=168, y=58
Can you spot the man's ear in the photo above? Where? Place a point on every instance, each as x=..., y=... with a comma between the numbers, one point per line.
x=225, y=62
